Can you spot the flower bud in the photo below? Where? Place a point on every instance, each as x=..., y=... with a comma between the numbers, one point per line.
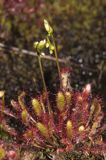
x=51, y=48
x=69, y=129
x=43, y=129
x=60, y=99
x=37, y=107
x=2, y=153
x=47, y=45
x=48, y=27
x=24, y=116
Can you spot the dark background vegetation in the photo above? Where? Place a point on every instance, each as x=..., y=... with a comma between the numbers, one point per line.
x=79, y=30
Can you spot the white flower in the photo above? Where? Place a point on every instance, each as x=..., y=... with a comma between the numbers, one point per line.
x=40, y=45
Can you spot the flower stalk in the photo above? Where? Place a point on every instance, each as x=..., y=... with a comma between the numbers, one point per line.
x=44, y=83
x=52, y=46
x=57, y=61
x=42, y=74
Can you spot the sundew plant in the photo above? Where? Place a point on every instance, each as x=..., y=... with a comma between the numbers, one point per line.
x=52, y=129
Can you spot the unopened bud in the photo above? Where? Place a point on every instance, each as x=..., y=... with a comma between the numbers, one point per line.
x=48, y=27
x=69, y=129
x=43, y=129
x=37, y=107
x=51, y=48
x=60, y=99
